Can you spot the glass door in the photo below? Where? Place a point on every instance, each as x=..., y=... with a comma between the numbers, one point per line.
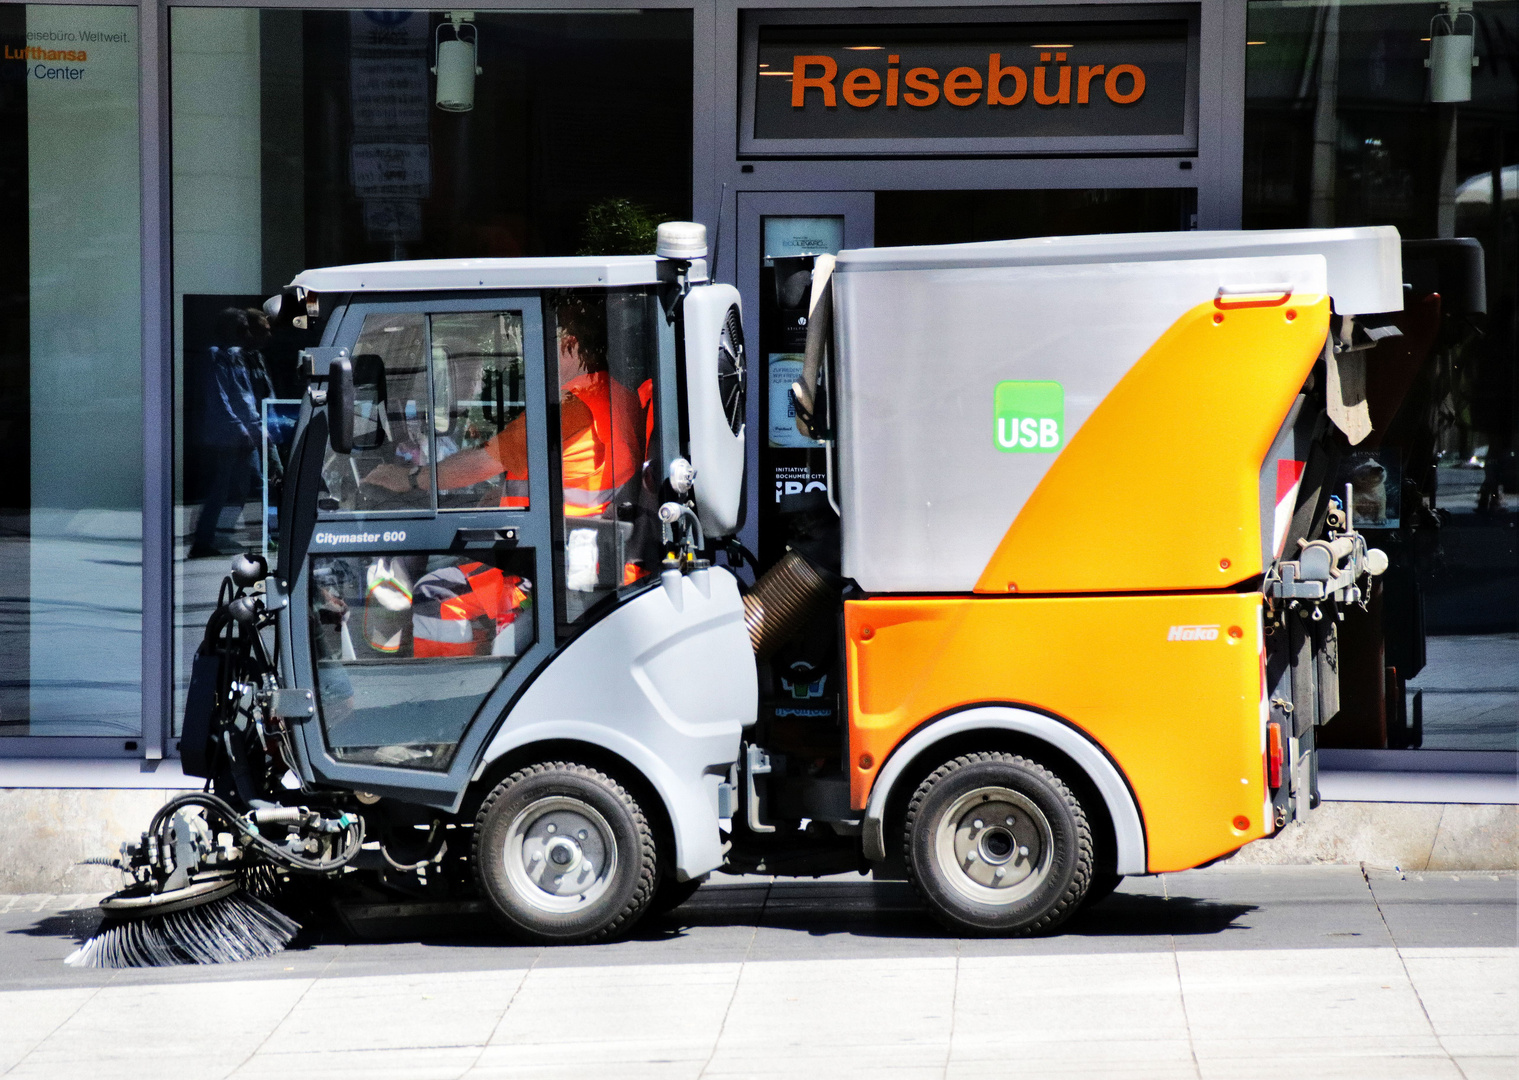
x=780, y=237
x=421, y=590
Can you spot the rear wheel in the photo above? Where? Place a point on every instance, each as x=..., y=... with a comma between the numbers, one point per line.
x=564, y=854
x=997, y=844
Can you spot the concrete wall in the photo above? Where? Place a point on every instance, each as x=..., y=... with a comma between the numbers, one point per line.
x=46, y=832
x=1410, y=836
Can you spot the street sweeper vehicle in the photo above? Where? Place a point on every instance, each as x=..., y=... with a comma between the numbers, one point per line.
x=1082, y=576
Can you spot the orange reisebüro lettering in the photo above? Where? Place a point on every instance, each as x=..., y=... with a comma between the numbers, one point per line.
x=922, y=79
x=1061, y=96
x=995, y=73
x=862, y=88
x=824, y=82
x=1084, y=79
x=1111, y=84
x=962, y=86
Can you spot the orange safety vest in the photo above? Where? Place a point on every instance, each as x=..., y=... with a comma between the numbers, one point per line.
x=607, y=454
x=461, y=610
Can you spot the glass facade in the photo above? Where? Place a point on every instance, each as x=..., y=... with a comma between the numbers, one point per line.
x=1344, y=125
x=305, y=137
x=71, y=403
x=316, y=138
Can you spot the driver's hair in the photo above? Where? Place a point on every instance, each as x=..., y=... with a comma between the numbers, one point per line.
x=583, y=313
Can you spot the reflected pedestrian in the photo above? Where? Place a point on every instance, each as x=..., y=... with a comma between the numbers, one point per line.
x=231, y=427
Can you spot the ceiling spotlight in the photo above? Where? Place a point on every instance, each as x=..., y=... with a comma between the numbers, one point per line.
x=1451, y=57
x=457, y=62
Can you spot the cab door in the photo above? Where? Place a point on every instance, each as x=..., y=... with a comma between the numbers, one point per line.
x=422, y=603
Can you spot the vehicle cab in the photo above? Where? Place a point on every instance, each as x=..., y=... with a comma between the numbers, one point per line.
x=473, y=568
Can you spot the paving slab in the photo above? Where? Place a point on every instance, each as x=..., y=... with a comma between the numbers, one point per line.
x=1227, y=973
x=1430, y=908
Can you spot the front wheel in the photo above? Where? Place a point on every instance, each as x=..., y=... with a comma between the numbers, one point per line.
x=997, y=844
x=564, y=854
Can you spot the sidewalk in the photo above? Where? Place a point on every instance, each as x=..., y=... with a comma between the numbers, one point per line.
x=1221, y=973
x=1470, y=685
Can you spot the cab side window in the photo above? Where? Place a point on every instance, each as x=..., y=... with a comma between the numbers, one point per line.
x=439, y=404
x=409, y=645
x=392, y=443
x=607, y=347
x=479, y=388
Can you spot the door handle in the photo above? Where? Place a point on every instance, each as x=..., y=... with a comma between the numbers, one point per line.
x=466, y=537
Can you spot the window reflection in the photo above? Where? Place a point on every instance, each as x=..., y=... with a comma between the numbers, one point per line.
x=71, y=403
x=312, y=138
x=1344, y=127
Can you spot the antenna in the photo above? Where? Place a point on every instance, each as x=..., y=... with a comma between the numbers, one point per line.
x=717, y=234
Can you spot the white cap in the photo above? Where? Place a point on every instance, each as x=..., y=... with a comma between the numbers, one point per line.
x=681, y=240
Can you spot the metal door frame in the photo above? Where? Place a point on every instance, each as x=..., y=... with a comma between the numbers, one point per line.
x=1215, y=169
x=858, y=209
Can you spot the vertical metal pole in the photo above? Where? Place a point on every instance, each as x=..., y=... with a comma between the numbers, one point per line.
x=1445, y=205
x=1221, y=115
x=706, y=202
x=1321, y=213
x=157, y=383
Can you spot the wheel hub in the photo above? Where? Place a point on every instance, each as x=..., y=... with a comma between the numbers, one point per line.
x=560, y=854
x=994, y=845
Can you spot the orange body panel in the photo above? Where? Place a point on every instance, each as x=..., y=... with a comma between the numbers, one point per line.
x=1159, y=489
x=1182, y=719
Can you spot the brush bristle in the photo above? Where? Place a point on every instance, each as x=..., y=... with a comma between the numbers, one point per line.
x=225, y=931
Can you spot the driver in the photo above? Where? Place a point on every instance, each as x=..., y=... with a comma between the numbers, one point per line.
x=601, y=423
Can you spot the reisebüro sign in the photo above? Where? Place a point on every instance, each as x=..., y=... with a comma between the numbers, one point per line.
x=990, y=87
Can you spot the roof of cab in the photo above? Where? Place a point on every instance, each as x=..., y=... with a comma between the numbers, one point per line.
x=434, y=275
x=1365, y=264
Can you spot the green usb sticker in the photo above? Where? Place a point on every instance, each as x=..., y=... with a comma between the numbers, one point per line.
x=1030, y=417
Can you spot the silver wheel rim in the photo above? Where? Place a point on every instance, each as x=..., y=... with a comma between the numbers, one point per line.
x=560, y=855
x=993, y=846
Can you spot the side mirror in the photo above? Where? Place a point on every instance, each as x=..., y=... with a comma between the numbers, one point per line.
x=292, y=308
x=368, y=405
x=340, y=405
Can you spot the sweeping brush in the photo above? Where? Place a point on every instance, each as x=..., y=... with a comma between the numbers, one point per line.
x=222, y=927
x=200, y=899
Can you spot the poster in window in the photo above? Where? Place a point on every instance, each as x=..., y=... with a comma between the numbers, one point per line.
x=1376, y=481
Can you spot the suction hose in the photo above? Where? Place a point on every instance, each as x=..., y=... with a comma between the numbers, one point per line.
x=790, y=595
x=819, y=329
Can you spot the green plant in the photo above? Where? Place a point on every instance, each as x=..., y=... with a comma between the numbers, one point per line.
x=617, y=227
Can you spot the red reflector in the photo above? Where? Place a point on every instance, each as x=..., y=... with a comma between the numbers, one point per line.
x=1274, y=755
x=1289, y=474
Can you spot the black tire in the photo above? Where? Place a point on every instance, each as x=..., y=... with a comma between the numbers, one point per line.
x=671, y=893
x=1035, y=856
x=564, y=816
x=1102, y=886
